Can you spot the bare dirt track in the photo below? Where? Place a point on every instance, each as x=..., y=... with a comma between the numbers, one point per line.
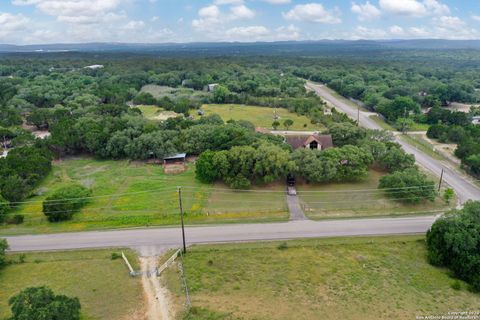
x=157, y=297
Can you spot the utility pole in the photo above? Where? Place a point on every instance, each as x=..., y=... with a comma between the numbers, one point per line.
x=441, y=180
x=358, y=116
x=181, y=215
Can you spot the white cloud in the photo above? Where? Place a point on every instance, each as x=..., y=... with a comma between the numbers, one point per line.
x=229, y=2
x=10, y=24
x=210, y=12
x=477, y=18
x=134, y=25
x=290, y=32
x=261, y=33
x=368, y=33
x=277, y=1
x=313, y=12
x=73, y=10
x=247, y=33
x=365, y=11
x=211, y=18
x=414, y=8
x=450, y=27
x=396, y=30
x=241, y=12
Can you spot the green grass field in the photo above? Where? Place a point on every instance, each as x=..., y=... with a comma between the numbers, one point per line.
x=104, y=287
x=143, y=195
x=344, y=278
x=358, y=199
x=260, y=116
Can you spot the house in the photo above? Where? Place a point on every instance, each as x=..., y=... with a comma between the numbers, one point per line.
x=211, y=87
x=95, y=66
x=476, y=120
x=313, y=141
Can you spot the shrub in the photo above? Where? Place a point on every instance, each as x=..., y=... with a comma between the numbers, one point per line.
x=409, y=186
x=4, y=207
x=453, y=242
x=456, y=285
x=3, y=249
x=436, y=131
x=115, y=256
x=41, y=303
x=16, y=219
x=65, y=202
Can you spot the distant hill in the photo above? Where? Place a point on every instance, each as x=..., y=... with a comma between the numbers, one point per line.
x=293, y=47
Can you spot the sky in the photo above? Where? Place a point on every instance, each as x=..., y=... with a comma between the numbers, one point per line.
x=160, y=21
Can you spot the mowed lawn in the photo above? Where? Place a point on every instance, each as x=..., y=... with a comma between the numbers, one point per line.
x=260, y=116
x=127, y=194
x=104, y=286
x=344, y=278
x=358, y=199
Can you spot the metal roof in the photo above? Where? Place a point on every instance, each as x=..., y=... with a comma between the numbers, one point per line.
x=176, y=156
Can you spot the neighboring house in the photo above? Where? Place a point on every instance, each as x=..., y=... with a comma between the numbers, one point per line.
x=211, y=87
x=314, y=141
x=476, y=120
x=95, y=66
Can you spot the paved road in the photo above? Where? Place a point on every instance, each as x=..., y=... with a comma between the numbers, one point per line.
x=150, y=241
x=465, y=190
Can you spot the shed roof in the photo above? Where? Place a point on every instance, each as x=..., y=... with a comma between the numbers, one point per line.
x=176, y=156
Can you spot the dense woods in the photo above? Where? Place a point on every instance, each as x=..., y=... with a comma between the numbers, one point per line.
x=92, y=111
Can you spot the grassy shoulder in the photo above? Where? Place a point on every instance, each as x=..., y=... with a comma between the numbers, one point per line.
x=343, y=278
x=358, y=199
x=103, y=285
x=261, y=116
x=133, y=194
x=422, y=145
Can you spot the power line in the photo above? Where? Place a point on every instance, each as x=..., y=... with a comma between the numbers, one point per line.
x=219, y=190
x=224, y=191
x=66, y=200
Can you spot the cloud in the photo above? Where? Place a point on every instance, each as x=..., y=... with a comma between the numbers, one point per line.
x=241, y=12
x=313, y=12
x=396, y=30
x=211, y=18
x=134, y=25
x=277, y=1
x=290, y=32
x=228, y=2
x=450, y=27
x=414, y=8
x=74, y=11
x=10, y=24
x=368, y=33
x=365, y=11
x=261, y=33
x=247, y=33
x=477, y=18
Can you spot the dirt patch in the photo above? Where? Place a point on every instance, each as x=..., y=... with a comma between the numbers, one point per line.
x=165, y=115
x=462, y=107
x=174, y=168
x=157, y=296
x=446, y=149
